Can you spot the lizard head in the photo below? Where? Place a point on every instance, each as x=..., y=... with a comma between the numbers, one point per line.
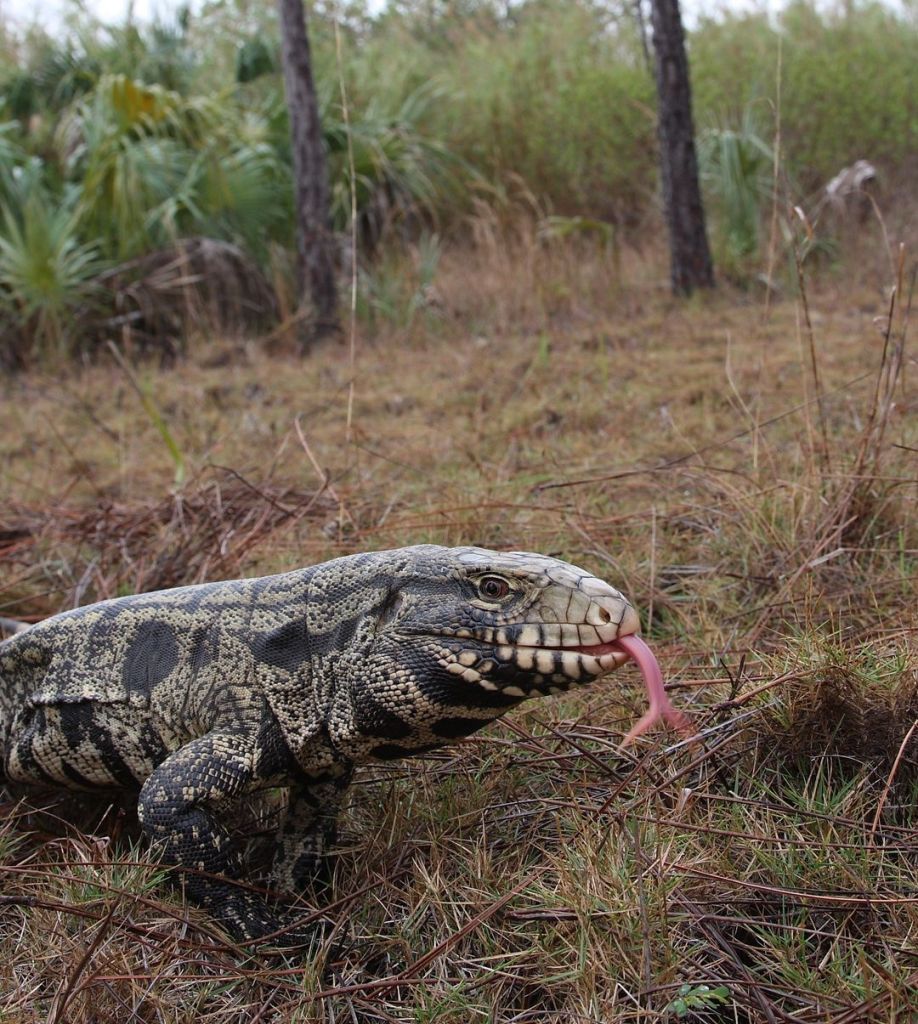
x=519, y=624
x=479, y=627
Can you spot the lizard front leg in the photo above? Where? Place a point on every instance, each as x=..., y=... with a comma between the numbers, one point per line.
x=307, y=829
x=176, y=809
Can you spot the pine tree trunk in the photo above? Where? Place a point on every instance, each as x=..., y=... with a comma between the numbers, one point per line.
x=690, y=256
x=314, y=239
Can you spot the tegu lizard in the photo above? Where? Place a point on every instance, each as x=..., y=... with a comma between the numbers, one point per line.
x=198, y=696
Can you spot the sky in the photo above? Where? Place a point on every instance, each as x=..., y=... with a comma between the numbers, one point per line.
x=51, y=12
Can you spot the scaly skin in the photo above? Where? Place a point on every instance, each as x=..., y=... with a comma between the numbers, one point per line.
x=198, y=696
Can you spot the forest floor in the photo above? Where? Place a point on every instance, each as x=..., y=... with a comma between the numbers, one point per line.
x=745, y=470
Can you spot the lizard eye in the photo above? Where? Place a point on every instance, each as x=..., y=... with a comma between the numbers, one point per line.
x=493, y=588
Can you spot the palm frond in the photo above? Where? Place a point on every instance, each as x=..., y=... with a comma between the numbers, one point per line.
x=736, y=166
x=46, y=273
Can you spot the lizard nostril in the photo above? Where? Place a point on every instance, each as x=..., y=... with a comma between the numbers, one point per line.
x=605, y=615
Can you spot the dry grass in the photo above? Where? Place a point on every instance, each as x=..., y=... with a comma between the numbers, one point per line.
x=537, y=396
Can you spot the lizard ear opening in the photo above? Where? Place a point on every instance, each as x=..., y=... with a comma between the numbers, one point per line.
x=390, y=609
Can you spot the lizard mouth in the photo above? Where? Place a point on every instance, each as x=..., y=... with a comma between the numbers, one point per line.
x=612, y=653
x=598, y=650
x=599, y=659
x=541, y=668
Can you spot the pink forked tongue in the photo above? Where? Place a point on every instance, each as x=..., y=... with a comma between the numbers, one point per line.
x=660, y=706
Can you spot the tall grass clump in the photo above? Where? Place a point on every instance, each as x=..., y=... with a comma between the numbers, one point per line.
x=849, y=82
x=565, y=103
x=556, y=95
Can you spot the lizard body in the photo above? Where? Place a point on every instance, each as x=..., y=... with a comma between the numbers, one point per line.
x=198, y=696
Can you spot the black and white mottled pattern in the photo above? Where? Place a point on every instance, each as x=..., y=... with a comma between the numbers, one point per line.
x=197, y=696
